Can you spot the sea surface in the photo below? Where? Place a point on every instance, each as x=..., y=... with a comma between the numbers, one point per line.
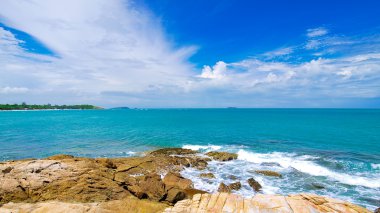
x=334, y=152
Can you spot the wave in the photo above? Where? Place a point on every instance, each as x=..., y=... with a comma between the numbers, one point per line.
x=375, y=165
x=202, y=147
x=306, y=165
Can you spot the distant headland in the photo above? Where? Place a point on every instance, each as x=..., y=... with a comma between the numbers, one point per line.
x=25, y=106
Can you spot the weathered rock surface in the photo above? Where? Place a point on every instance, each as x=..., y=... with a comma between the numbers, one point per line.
x=225, y=202
x=64, y=183
x=126, y=205
x=269, y=173
x=73, y=179
x=222, y=156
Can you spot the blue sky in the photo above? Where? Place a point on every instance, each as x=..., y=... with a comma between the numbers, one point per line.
x=167, y=53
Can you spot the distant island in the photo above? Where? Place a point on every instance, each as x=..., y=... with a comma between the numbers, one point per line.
x=25, y=106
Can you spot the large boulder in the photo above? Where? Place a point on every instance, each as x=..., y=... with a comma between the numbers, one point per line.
x=147, y=186
x=254, y=184
x=173, y=179
x=222, y=156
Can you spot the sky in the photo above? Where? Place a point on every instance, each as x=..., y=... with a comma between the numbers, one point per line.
x=169, y=53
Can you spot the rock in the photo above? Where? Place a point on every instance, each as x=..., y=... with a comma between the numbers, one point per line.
x=129, y=204
x=317, y=186
x=172, y=151
x=200, y=163
x=191, y=192
x=235, y=186
x=176, y=180
x=224, y=188
x=377, y=210
x=60, y=157
x=224, y=202
x=207, y=175
x=148, y=186
x=268, y=173
x=254, y=184
x=108, y=163
x=222, y=156
x=228, y=188
x=174, y=195
x=232, y=177
x=7, y=170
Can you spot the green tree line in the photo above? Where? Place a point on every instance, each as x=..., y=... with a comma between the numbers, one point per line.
x=25, y=106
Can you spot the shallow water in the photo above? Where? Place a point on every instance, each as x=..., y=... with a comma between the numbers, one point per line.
x=337, y=149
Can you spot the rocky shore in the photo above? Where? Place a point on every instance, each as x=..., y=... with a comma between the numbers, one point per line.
x=151, y=183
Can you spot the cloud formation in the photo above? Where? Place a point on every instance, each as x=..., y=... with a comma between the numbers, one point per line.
x=114, y=53
x=100, y=46
x=316, y=32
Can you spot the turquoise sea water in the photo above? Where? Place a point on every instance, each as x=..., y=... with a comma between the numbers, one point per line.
x=333, y=152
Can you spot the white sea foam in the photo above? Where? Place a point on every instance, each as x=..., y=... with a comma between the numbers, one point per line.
x=375, y=166
x=202, y=147
x=305, y=165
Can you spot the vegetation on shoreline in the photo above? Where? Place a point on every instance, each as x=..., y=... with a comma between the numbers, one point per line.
x=25, y=106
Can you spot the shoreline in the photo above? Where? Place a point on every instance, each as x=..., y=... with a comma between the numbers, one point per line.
x=155, y=178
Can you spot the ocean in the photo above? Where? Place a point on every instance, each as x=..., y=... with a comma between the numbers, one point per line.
x=333, y=152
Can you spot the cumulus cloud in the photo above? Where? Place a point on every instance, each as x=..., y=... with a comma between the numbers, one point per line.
x=218, y=71
x=330, y=78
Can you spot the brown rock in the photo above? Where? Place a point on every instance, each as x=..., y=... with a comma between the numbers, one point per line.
x=224, y=188
x=129, y=204
x=235, y=186
x=106, y=162
x=254, y=184
x=268, y=173
x=207, y=175
x=377, y=210
x=222, y=156
x=60, y=157
x=7, y=170
x=174, y=195
x=148, y=186
x=176, y=180
x=172, y=151
x=225, y=202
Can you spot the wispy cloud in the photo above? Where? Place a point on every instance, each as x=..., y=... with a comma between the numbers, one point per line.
x=101, y=45
x=316, y=32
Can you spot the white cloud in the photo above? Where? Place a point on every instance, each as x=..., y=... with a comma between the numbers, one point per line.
x=101, y=46
x=316, y=32
x=279, y=52
x=113, y=53
x=340, y=78
x=13, y=90
x=217, y=71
